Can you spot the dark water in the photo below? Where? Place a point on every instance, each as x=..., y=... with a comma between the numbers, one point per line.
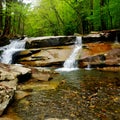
x=81, y=95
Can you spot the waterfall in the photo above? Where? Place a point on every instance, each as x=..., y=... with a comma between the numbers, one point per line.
x=71, y=63
x=116, y=39
x=88, y=67
x=9, y=50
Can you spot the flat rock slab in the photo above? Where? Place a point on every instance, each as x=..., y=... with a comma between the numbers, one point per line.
x=51, y=56
x=49, y=41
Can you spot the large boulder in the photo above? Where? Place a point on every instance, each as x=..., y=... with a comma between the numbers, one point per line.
x=51, y=56
x=49, y=41
x=9, y=76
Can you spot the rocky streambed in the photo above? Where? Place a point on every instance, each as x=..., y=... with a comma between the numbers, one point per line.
x=34, y=91
x=76, y=95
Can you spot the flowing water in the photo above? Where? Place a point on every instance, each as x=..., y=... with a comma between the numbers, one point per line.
x=116, y=39
x=9, y=50
x=75, y=95
x=71, y=63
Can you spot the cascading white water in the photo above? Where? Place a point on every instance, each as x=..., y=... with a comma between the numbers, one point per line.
x=116, y=39
x=9, y=50
x=71, y=64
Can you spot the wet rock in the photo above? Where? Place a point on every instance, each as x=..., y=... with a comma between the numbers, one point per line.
x=49, y=41
x=42, y=74
x=103, y=36
x=21, y=94
x=52, y=56
x=26, y=53
x=6, y=95
x=25, y=73
x=4, y=41
x=114, y=69
x=55, y=119
x=9, y=76
x=110, y=58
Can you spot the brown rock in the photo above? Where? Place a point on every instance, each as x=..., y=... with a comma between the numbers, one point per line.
x=110, y=58
x=42, y=74
x=6, y=95
x=52, y=56
x=49, y=41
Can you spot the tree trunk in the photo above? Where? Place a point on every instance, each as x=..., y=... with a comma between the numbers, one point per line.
x=110, y=16
x=103, y=22
x=1, y=18
x=91, y=13
x=7, y=26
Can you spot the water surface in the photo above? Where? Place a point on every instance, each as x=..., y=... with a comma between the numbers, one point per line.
x=80, y=95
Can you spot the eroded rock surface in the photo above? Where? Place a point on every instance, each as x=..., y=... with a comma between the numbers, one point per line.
x=51, y=56
x=110, y=58
x=6, y=95
x=102, y=36
x=9, y=76
x=49, y=41
x=12, y=75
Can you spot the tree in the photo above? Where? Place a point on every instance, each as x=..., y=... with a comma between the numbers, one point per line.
x=7, y=25
x=1, y=15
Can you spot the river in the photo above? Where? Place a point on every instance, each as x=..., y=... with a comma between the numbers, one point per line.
x=80, y=95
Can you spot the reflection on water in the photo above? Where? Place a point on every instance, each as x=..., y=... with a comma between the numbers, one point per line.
x=82, y=95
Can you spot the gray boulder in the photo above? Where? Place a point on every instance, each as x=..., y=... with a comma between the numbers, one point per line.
x=50, y=41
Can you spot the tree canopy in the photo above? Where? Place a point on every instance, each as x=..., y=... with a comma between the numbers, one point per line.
x=58, y=17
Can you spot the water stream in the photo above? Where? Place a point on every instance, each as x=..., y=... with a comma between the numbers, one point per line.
x=9, y=50
x=83, y=95
x=71, y=64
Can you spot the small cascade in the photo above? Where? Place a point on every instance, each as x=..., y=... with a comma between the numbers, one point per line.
x=89, y=64
x=116, y=39
x=88, y=67
x=9, y=50
x=71, y=64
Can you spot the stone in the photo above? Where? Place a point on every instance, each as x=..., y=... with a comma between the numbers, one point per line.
x=42, y=74
x=49, y=41
x=52, y=56
x=110, y=58
x=20, y=69
x=6, y=95
x=102, y=36
x=9, y=76
x=21, y=94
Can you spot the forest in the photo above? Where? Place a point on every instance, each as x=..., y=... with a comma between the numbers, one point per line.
x=58, y=17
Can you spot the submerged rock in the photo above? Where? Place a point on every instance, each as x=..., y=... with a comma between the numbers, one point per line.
x=12, y=75
x=42, y=74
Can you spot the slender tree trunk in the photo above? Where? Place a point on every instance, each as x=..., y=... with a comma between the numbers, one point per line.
x=80, y=23
x=110, y=16
x=7, y=26
x=1, y=16
x=91, y=13
x=103, y=22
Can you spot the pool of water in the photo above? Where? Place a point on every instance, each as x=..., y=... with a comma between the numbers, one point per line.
x=80, y=95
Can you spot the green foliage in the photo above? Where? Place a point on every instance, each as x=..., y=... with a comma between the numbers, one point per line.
x=62, y=17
